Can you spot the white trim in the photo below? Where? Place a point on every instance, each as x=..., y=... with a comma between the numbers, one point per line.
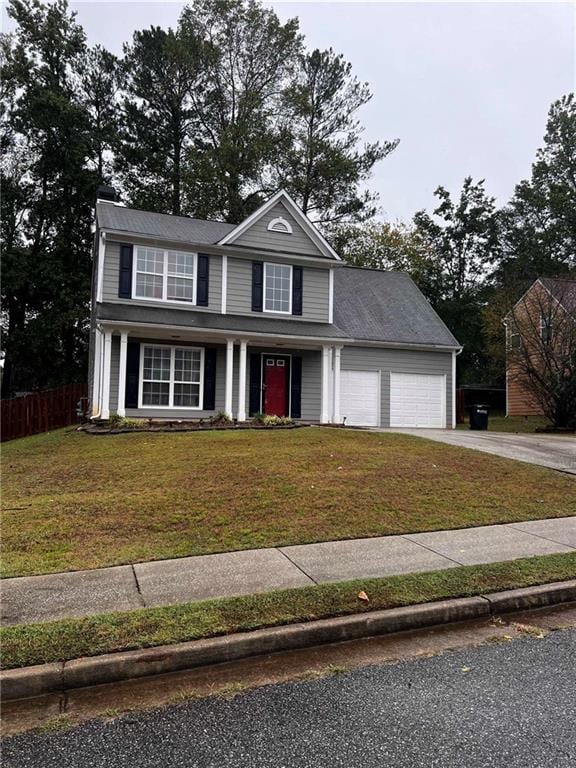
x=101, y=255
x=164, y=299
x=214, y=249
x=106, y=372
x=280, y=220
x=325, y=385
x=336, y=397
x=331, y=296
x=95, y=404
x=229, y=376
x=277, y=311
x=171, y=382
x=224, y=283
x=453, y=390
x=303, y=220
x=311, y=340
x=242, y=382
x=121, y=409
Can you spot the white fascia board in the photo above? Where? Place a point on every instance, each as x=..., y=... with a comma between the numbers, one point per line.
x=403, y=345
x=217, y=249
x=302, y=219
x=118, y=325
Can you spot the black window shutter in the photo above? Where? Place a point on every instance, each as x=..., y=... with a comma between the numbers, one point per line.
x=296, y=290
x=209, y=403
x=296, y=388
x=255, y=405
x=125, y=275
x=203, y=279
x=132, y=374
x=257, y=285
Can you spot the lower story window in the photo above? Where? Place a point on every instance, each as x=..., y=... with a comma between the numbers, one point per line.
x=172, y=376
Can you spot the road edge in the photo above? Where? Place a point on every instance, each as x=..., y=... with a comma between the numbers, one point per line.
x=58, y=677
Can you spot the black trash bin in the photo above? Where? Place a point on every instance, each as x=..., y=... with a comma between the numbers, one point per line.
x=479, y=416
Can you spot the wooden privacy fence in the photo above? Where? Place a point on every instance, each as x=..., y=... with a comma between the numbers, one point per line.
x=41, y=411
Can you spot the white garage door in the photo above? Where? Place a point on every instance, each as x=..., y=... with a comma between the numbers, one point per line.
x=417, y=400
x=360, y=398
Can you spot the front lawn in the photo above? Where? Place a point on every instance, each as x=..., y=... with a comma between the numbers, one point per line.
x=498, y=422
x=75, y=501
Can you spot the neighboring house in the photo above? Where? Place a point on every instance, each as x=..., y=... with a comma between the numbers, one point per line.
x=191, y=317
x=535, y=327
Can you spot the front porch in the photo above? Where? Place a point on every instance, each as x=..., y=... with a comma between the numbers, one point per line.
x=148, y=373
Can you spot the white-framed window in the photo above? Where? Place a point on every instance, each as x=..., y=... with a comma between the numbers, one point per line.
x=164, y=275
x=171, y=377
x=278, y=288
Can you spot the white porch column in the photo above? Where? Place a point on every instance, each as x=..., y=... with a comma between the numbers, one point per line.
x=336, y=400
x=105, y=412
x=325, y=392
x=229, y=374
x=95, y=402
x=242, y=383
x=122, y=375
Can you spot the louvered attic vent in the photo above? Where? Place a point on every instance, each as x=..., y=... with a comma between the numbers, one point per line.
x=280, y=225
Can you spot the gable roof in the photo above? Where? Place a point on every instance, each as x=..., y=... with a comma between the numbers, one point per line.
x=563, y=290
x=163, y=225
x=304, y=222
x=372, y=305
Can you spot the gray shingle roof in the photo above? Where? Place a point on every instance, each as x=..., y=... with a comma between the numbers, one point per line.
x=136, y=313
x=162, y=225
x=385, y=306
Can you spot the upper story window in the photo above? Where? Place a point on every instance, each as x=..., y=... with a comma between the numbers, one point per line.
x=280, y=225
x=278, y=288
x=165, y=275
x=546, y=329
x=514, y=340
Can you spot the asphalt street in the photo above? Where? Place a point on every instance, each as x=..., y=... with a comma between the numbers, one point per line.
x=510, y=704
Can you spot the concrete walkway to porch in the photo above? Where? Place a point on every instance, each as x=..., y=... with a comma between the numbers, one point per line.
x=168, y=582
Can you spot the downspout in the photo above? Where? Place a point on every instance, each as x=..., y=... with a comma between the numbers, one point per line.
x=455, y=354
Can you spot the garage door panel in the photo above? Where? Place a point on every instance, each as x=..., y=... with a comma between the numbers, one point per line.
x=417, y=400
x=360, y=398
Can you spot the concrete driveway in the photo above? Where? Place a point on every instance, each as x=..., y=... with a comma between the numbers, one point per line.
x=553, y=451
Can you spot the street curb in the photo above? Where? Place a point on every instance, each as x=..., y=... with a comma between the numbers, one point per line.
x=58, y=677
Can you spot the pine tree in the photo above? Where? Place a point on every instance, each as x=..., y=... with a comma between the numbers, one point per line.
x=323, y=164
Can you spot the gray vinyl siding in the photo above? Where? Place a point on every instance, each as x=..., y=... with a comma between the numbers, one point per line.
x=111, y=273
x=315, y=290
x=258, y=236
x=399, y=361
x=311, y=369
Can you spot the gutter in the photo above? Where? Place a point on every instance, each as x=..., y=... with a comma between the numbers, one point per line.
x=60, y=677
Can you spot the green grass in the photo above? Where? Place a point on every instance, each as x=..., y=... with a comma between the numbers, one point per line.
x=71, y=638
x=497, y=422
x=76, y=501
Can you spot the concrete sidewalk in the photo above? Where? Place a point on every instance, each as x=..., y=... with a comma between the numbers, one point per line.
x=168, y=582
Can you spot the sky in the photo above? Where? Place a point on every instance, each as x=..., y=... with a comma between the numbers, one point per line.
x=466, y=86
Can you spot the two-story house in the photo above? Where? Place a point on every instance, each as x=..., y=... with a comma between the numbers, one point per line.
x=540, y=344
x=191, y=317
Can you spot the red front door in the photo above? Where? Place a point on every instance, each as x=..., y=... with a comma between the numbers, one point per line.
x=276, y=371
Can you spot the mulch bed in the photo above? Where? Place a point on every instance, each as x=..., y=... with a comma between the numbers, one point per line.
x=103, y=429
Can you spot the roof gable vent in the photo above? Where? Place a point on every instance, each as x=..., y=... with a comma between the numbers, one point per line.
x=280, y=225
